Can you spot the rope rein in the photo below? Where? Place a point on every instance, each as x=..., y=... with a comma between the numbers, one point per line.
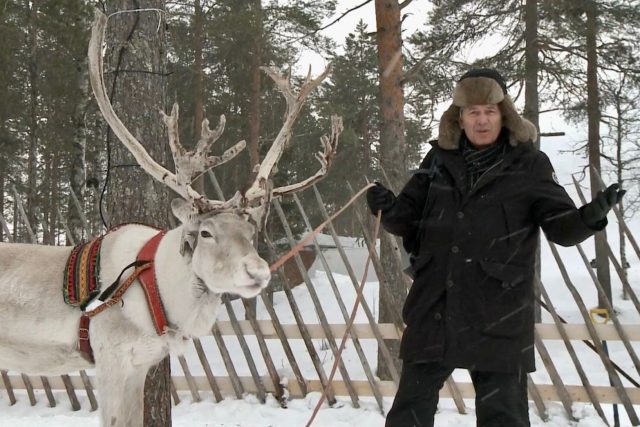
x=295, y=249
x=352, y=318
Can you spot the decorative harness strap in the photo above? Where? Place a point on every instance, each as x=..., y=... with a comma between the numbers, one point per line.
x=145, y=273
x=80, y=284
x=147, y=279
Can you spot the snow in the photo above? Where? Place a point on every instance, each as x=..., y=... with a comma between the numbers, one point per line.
x=248, y=412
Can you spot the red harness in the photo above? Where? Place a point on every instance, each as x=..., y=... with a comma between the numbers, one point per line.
x=147, y=279
x=146, y=275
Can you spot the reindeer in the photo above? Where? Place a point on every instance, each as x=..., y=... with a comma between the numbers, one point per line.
x=209, y=253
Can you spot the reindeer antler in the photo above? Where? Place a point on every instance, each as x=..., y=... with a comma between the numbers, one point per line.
x=189, y=164
x=294, y=106
x=325, y=157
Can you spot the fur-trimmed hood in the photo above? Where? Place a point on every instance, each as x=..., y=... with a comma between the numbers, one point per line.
x=479, y=90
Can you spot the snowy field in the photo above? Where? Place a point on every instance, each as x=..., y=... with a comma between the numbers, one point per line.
x=249, y=413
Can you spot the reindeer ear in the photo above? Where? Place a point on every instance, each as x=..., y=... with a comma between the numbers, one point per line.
x=258, y=216
x=188, y=242
x=183, y=210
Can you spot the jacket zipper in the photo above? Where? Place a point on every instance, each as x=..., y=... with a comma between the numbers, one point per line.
x=483, y=174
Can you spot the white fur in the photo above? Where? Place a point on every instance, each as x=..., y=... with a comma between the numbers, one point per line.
x=39, y=331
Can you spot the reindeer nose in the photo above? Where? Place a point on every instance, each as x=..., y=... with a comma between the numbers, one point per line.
x=258, y=271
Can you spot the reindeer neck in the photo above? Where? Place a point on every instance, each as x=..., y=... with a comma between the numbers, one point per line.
x=170, y=265
x=185, y=308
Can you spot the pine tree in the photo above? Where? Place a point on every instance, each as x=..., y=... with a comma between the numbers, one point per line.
x=12, y=106
x=352, y=93
x=392, y=157
x=136, y=57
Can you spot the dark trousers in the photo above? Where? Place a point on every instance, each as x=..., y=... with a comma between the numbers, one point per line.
x=501, y=398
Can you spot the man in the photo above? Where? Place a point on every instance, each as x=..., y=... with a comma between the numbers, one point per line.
x=470, y=218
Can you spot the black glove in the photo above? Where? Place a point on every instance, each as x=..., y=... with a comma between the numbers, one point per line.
x=594, y=214
x=380, y=198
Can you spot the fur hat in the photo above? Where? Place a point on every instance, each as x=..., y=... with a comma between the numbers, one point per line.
x=482, y=86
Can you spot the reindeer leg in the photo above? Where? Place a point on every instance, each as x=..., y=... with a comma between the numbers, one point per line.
x=120, y=391
x=111, y=380
x=133, y=399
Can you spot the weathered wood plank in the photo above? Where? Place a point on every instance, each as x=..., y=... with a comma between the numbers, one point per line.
x=547, y=331
x=606, y=394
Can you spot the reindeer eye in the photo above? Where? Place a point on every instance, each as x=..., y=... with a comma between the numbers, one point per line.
x=205, y=234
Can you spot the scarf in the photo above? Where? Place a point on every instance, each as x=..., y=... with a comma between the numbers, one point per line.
x=477, y=162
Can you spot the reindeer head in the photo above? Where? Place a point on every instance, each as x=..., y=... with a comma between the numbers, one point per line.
x=217, y=234
x=221, y=252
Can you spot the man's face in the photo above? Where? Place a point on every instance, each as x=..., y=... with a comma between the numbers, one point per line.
x=481, y=124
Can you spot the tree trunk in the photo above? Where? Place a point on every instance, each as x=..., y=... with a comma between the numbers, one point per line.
x=392, y=154
x=364, y=138
x=2, y=174
x=531, y=102
x=78, y=168
x=255, y=106
x=50, y=198
x=55, y=197
x=46, y=199
x=32, y=160
x=15, y=219
x=136, y=66
x=593, y=117
x=255, y=88
x=622, y=238
x=198, y=83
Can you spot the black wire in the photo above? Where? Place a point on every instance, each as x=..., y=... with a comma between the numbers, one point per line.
x=107, y=292
x=136, y=5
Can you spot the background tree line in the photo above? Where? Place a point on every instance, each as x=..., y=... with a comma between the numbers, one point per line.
x=54, y=141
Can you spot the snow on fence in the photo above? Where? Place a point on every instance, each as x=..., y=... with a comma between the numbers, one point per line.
x=286, y=343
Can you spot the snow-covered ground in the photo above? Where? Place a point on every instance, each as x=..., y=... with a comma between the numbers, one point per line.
x=248, y=412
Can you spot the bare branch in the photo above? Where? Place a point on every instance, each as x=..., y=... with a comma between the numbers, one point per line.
x=324, y=27
x=404, y=4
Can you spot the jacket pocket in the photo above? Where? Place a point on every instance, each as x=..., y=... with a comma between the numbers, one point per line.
x=417, y=290
x=506, y=299
x=420, y=262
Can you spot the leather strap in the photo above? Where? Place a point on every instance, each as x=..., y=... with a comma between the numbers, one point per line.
x=146, y=275
x=84, y=345
x=148, y=281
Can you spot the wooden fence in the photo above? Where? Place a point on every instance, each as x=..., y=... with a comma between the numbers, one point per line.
x=286, y=344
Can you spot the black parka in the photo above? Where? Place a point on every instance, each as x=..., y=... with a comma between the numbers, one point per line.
x=471, y=304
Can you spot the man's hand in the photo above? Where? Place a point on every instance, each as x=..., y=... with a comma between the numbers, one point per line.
x=595, y=212
x=380, y=198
